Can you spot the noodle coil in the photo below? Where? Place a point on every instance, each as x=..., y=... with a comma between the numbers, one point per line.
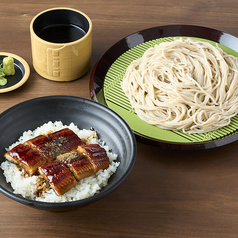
x=185, y=84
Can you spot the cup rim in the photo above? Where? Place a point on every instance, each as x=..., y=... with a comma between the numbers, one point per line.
x=61, y=8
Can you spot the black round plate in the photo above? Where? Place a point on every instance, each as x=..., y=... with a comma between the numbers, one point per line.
x=101, y=68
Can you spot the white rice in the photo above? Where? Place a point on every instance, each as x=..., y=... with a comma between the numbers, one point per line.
x=26, y=186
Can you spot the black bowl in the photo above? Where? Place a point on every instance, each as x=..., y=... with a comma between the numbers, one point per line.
x=84, y=113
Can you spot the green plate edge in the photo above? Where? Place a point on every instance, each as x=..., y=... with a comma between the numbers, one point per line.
x=116, y=99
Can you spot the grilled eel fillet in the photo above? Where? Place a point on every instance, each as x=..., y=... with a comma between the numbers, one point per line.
x=83, y=162
x=78, y=164
x=60, y=157
x=56, y=143
x=96, y=155
x=26, y=157
x=58, y=176
x=43, y=149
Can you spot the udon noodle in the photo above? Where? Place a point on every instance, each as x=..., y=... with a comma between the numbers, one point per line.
x=184, y=84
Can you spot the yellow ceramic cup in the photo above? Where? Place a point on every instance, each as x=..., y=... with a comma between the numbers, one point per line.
x=61, y=41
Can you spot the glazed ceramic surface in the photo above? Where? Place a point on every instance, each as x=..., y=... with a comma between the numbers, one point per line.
x=84, y=113
x=22, y=73
x=61, y=40
x=108, y=73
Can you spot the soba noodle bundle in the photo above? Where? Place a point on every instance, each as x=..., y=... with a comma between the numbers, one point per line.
x=186, y=85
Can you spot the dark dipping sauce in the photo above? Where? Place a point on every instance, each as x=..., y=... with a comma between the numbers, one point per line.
x=61, y=33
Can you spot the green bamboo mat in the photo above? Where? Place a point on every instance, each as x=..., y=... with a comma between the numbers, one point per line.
x=117, y=100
